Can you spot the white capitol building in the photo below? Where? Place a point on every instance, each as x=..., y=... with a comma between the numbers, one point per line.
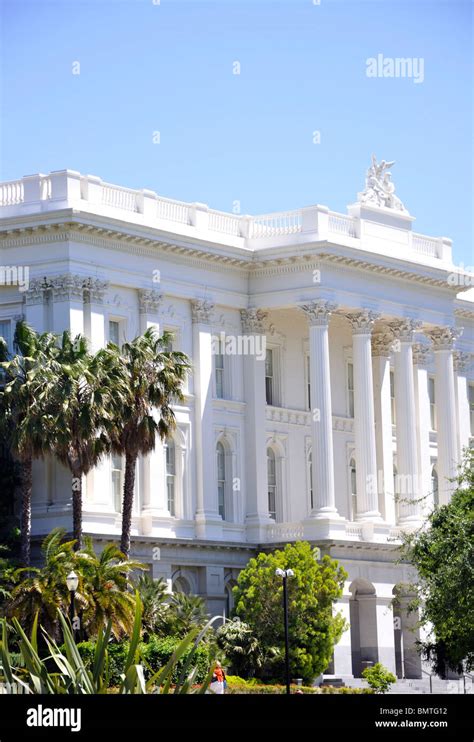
x=330, y=398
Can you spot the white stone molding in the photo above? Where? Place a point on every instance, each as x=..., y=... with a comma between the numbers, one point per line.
x=95, y=290
x=253, y=321
x=149, y=300
x=67, y=287
x=35, y=293
x=202, y=311
x=404, y=329
x=318, y=312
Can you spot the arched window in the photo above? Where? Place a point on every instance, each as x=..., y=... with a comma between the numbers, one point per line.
x=310, y=476
x=434, y=486
x=272, y=483
x=221, y=479
x=170, y=461
x=181, y=585
x=353, y=478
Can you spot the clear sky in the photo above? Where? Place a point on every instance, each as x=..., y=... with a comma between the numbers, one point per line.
x=148, y=66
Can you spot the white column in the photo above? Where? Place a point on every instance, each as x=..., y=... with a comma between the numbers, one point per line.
x=94, y=314
x=366, y=458
x=443, y=339
x=407, y=444
x=423, y=423
x=257, y=517
x=151, y=476
x=382, y=343
x=68, y=303
x=208, y=520
x=318, y=314
x=35, y=304
x=462, y=362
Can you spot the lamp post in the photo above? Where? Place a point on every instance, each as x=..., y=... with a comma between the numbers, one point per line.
x=284, y=574
x=72, y=581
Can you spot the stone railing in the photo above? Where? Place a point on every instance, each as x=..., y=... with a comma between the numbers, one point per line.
x=301, y=417
x=285, y=532
x=69, y=189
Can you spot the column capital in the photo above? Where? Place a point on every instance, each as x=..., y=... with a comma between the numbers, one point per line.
x=149, y=300
x=404, y=329
x=421, y=354
x=362, y=321
x=444, y=338
x=318, y=312
x=95, y=289
x=462, y=360
x=382, y=343
x=35, y=291
x=253, y=321
x=67, y=286
x=201, y=310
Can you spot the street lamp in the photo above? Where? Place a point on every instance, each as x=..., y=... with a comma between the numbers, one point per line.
x=72, y=581
x=284, y=574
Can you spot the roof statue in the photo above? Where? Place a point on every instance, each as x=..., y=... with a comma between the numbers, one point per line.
x=379, y=189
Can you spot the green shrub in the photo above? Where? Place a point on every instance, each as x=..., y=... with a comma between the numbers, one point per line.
x=117, y=653
x=379, y=678
x=238, y=686
x=157, y=651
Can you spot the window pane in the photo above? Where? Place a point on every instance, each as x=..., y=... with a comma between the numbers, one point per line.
x=350, y=388
x=271, y=472
x=269, y=376
x=221, y=483
x=219, y=361
x=269, y=363
x=114, y=332
x=6, y=332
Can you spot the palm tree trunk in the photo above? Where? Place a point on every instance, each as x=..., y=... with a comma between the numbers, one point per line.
x=26, y=483
x=127, y=504
x=77, y=508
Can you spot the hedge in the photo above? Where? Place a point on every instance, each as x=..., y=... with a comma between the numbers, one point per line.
x=239, y=686
x=158, y=650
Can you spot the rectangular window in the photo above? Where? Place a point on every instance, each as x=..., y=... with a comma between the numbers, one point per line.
x=271, y=472
x=117, y=482
x=170, y=476
x=431, y=393
x=308, y=374
x=6, y=332
x=392, y=396
x=353, y=489
x=269, y=378
x=219, y=369
x=350, y=389
x=471, y=406
x=114, y=332
x=221, y=480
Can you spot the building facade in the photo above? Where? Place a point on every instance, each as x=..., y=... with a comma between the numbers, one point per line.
x=331, y=394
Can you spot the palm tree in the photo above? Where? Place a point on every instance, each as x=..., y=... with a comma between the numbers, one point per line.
x=26, y=384
x=154, y=597
x=106, y=588
x=185, y=613
x=151, y=378
x=80, y=412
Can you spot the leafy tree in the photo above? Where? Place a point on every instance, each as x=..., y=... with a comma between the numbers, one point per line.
x=313, y=628
x=85, y=384
x=443, y=555
x=379, y=678
x=150, y=380
x=26, y=384
x=241, y=648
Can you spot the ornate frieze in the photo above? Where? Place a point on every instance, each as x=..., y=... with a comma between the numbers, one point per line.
x=462, y=360
x=318, y=312
x=201, y=310
x=95, y=290
x=67, y=286
x=35, y=294
x=149, y=300
x=253, y=321
x=362, y=322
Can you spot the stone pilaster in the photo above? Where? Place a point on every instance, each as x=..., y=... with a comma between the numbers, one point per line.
x=382, y=346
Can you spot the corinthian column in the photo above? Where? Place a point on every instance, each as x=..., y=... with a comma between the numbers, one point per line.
x=407, y=444
x=257, y=516
x=443, y=339
x=366, y=458
x=318, y=314
x=208, y=520
x=421, y=354
x=382, y=343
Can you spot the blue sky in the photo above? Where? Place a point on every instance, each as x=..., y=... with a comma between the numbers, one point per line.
x=168, y=67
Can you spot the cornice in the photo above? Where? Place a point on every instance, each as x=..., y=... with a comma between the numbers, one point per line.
x=203, y=257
